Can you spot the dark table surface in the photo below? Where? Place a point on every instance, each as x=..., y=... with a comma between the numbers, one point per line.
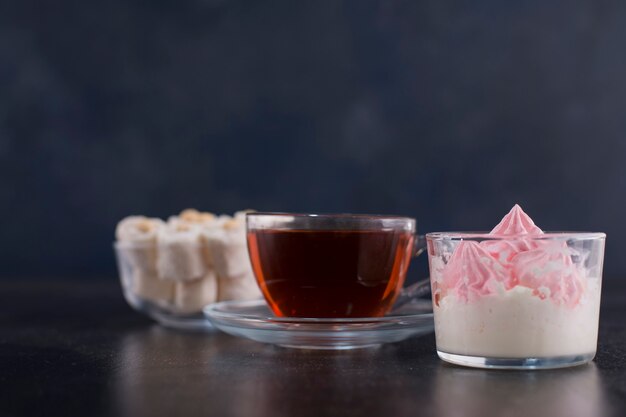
x=74, y=348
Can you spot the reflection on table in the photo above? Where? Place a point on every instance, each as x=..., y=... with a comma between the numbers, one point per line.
x=568, y=392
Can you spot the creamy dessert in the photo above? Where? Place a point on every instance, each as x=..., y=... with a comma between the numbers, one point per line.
x=515, y=293
x=193, y=259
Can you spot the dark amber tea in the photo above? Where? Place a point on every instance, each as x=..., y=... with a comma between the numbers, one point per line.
x=330, y=273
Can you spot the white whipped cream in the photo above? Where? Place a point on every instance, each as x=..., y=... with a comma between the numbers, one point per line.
x=518, y=324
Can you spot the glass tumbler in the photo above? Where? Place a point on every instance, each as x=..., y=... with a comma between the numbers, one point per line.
x=516, y=302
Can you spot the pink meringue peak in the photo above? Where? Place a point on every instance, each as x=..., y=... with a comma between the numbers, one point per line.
x=514, y=257
x=472, y=271
x=549, y=272
x=516, y=223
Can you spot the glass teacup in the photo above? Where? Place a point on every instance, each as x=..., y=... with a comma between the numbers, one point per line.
x=322, y=266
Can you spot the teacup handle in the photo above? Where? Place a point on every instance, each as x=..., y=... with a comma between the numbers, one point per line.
x=419, y=289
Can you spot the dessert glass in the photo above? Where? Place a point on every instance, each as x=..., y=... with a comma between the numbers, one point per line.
x=538, y=309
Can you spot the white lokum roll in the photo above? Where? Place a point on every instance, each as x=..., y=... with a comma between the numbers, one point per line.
x=137, y=240
x=243, y=287
x=150, y=287
x=179, y=252
x=228, y=248
x=192, y=296
x=206, y=229
x=194, y=216
x=198, y=220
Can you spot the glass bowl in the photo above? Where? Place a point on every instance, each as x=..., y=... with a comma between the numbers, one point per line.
x=176, y=304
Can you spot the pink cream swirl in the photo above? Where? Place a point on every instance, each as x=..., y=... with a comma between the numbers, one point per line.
x=516, y=226
x=549, y=271
x=516, y=223
x=472, y=272
x=517, y=256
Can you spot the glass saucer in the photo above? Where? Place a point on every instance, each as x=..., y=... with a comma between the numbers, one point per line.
x=254, y=320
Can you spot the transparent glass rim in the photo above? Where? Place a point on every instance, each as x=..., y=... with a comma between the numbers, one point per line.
x=347, y=221
x=550, y=235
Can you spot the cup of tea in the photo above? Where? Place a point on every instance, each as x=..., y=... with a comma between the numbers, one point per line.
x=330, y=265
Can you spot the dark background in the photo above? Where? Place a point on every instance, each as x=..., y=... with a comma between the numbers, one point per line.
x=449, y=111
